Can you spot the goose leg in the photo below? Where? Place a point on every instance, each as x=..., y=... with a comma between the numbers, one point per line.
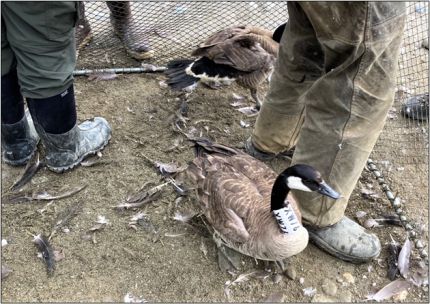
x=280, y=264
x=225, y=260
x=255, y=97
x=228, y=259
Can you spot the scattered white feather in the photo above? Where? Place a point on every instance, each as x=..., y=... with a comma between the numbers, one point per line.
x=389, y=290
x=239, y=97
x=244, y=124
x=185, y=217
x=403, y=262
x=249, y=111
x=128, y=298
x=103, y=220
x=309, y=291
x=251, y=274
x=138, y=216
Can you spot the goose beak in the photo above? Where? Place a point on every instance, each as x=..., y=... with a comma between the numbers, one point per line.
x=328, y=191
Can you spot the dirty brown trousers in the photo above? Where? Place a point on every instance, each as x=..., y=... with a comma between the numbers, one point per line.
x=330, y=93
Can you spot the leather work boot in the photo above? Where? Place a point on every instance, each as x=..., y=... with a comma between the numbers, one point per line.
x=260, y=155
x=131, y=34
x=83, y=31
x=346, y=240
x=64, y=151
x=19, y=141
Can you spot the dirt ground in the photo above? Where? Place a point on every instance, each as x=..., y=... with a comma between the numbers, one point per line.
x=106, y=265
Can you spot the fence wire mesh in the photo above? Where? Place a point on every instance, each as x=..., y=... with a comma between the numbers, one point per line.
x=174, y=29
x=402, y=149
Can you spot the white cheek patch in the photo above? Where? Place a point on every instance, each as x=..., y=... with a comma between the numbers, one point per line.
x=205, y=77
x=294, y=182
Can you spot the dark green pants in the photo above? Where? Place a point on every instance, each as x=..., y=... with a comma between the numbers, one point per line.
x=37, y=39
x=330, y=93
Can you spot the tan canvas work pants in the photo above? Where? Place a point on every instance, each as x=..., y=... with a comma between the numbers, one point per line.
x=330, y=93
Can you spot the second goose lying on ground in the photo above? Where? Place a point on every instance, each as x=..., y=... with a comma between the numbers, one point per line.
x=246, y=54
x=248, y=205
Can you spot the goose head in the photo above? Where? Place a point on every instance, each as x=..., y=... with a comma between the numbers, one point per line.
x=298, y=177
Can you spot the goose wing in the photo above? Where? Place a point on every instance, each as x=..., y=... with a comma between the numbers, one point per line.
x=231, y=189
x=243, y=53
x=221, y=36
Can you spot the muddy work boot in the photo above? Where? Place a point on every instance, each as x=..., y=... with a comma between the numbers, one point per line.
x=83, y=31
x=66, y=142
x=125, y=27
x=19, y=141
x=260, y=155
x=64, y=151
x=347, y=241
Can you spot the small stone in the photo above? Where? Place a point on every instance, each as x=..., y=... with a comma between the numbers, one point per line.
x=328, y=287
x=345, y=296
x=320, y=298
x=240, y=145
x=276, y=297
x=419, y=245
x=3, y=242
x=276, y=278
x=290, y=272
x=339, y=280
x=425, y=43
x=349, y=278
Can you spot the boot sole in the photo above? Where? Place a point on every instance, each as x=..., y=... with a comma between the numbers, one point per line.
x=79, y=160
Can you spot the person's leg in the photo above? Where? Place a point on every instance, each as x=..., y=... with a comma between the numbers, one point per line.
x=18, y=136
x=125, y=27
x=299, y=64
x=44, y=46
x=345, y=112
x=346, y=108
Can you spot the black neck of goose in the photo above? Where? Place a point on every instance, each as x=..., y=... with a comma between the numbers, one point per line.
x=280, y=191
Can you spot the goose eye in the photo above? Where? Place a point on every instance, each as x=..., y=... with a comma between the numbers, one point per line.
x=311, y=184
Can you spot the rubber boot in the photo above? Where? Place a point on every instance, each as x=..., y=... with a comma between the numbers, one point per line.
x=18, y=136
x=19, y=141
x=72, y=143
x=124, y=26
x=83, y=31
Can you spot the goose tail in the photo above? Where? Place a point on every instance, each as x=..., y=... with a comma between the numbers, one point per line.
x=178, y=78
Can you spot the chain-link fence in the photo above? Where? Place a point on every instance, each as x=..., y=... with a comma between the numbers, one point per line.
x=174, y=29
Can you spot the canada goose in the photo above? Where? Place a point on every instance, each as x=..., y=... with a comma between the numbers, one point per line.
x=248, y=205
x=246, y=54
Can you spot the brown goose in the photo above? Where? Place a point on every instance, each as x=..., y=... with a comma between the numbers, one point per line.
x=246, y=54
x=248, y=204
